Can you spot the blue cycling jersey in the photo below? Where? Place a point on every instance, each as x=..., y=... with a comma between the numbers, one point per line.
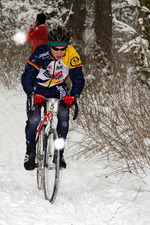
x=45, y=75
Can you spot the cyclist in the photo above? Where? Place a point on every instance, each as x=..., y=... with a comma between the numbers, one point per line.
x=38, y=31
x=45, y=74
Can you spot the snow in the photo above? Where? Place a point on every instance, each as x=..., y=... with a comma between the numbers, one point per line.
x=145, y=9
x=85, y=197
x=136, y=42
x=123, y=27
x=19, y=38
x=134, y=2
x=147, y=141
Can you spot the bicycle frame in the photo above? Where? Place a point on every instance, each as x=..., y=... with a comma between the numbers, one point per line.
x=47, y=154
x=50, y=108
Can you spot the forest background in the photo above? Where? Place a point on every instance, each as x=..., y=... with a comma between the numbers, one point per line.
x=112, y=38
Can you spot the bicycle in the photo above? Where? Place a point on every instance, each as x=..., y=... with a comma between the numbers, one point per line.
x=47, y=153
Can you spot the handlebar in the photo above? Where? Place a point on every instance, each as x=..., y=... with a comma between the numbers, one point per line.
x=76, y=103
x=32, y=106
x=76, y=109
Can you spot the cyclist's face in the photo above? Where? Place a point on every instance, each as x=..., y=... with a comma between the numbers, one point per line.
x=58, y=52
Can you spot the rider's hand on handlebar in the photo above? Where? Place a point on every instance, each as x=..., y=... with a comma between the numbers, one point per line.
x=38, y=99
x=29, y=95
x=68, y=100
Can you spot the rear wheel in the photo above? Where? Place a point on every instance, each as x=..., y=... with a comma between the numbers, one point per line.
x=40, y=160
x=51, y=169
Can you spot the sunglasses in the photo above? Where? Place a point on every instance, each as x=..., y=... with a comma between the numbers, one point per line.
x=59, y=49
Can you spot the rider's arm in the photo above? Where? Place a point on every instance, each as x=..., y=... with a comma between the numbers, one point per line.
x=75, y=72
x=77, y=78
x=31, y=70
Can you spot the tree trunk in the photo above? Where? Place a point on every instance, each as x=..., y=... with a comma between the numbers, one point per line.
x=103, y=25
x=76, y=23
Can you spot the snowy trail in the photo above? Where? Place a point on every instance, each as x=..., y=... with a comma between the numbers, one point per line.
x=84, y=198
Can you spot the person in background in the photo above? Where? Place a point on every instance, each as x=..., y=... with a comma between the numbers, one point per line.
x=45, y=76
x=38, y=31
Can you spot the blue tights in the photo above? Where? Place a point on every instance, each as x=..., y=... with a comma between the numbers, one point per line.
x=33, y=122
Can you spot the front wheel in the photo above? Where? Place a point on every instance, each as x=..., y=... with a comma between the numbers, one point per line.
x=51, y=169
x=40, y=160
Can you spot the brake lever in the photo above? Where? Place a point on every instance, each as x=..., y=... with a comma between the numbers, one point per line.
x=76, y=104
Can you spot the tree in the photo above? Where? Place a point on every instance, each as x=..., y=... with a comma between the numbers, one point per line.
x=146, y=19
x=103, y=25
x=76, y=23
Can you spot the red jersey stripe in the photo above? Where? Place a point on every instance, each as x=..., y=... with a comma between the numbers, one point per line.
x=33, y=64
x=78, y=65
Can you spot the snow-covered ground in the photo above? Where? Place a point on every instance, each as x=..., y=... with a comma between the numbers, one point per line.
x=85, y=196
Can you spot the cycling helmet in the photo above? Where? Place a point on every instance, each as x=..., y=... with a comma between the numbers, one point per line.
x=58, y=34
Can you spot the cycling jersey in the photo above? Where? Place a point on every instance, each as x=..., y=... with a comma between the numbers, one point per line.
x=45, y=75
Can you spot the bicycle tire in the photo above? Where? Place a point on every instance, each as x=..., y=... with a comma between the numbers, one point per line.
x=51, y=169
x=40, y=160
